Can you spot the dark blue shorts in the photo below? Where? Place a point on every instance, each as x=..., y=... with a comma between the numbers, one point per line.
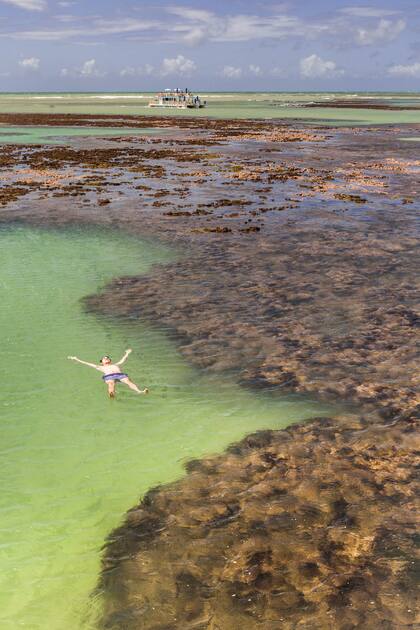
x=117, y=376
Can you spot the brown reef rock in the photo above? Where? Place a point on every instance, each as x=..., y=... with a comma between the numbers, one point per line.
x=300, y=274
x=312, y=527
x=331, y=313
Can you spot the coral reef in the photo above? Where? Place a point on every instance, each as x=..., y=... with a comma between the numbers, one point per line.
x=333, y=313
x=297, y=271
x=311, y=527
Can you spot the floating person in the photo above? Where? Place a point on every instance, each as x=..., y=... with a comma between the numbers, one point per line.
x=112, y=373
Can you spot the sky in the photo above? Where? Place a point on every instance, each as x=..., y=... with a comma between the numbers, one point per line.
x=212, y=45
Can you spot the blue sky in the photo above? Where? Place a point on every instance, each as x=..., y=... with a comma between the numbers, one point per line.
x=91, y=45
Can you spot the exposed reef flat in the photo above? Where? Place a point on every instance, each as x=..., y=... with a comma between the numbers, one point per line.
x=312, y=527
x=361, y=103
x=297, y=271
x=223, y=126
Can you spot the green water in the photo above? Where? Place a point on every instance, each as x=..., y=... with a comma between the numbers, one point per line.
x=221, y=105
x=72, y=461
x=59, y=135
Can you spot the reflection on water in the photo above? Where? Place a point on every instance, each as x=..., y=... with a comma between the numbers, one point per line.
x=72, y=461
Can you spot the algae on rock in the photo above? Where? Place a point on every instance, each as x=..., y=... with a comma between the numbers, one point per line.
x=310, y=527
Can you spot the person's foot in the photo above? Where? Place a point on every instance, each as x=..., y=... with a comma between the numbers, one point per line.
x=111, y=394
x=145, y=391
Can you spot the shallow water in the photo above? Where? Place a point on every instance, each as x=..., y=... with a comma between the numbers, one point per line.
x=59, y=135
x=222, y=105
x=73, y=461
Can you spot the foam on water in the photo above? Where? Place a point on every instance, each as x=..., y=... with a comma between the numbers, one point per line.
x=73, y=461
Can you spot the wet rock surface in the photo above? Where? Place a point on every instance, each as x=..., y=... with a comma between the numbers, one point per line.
x=312, y=527
x=297, y=271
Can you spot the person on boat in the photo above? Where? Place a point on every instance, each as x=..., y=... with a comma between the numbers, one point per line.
x=112, y=373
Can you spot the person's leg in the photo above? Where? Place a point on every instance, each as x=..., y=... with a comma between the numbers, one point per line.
x=133, y=386
x=111, y=389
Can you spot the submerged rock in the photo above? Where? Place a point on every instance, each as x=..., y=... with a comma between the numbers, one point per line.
x=300, y=275
x=310, y=527
x=331, y=312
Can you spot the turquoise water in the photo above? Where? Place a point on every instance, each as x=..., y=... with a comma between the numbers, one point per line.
x=72, y=461
x=59, y=135
x=221, y=105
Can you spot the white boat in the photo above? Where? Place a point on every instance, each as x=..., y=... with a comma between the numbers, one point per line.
x=180, y=99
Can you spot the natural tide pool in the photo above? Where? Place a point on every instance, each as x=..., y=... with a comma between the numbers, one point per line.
x=72, y=461
x=61, y=135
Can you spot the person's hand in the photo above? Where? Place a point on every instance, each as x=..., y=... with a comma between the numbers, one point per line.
x=129, y=350
x=72, y=358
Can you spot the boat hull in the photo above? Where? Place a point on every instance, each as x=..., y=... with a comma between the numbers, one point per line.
x=177, y=106
x=168, y=106
x=177, y=99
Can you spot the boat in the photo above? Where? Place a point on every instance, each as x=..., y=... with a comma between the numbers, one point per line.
x=180, y=99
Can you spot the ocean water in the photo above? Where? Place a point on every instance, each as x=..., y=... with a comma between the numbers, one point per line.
x=59, y=135
x=72, y=461
x=269, y=105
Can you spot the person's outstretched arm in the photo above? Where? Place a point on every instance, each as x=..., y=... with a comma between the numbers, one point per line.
x=121, y=361
x=93, y=365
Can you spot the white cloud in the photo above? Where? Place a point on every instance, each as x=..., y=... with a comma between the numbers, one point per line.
x=314, y=67
x=256, y=70
x=239, y=28
x=190, y=26
x=412, y=70
x=31, y=63
x=368, y=12
x=87, y=70
x=179, y=65
x=385, y=31
x=194, y=36
x=65, y=17
x=130, y=71
x=197, y=25
x=28, y=5
x=279, y=72
x=360, y=25
x=97, y=28
x=147, y=69
x=230, y=72
x=199, y=15
x=122, y=25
